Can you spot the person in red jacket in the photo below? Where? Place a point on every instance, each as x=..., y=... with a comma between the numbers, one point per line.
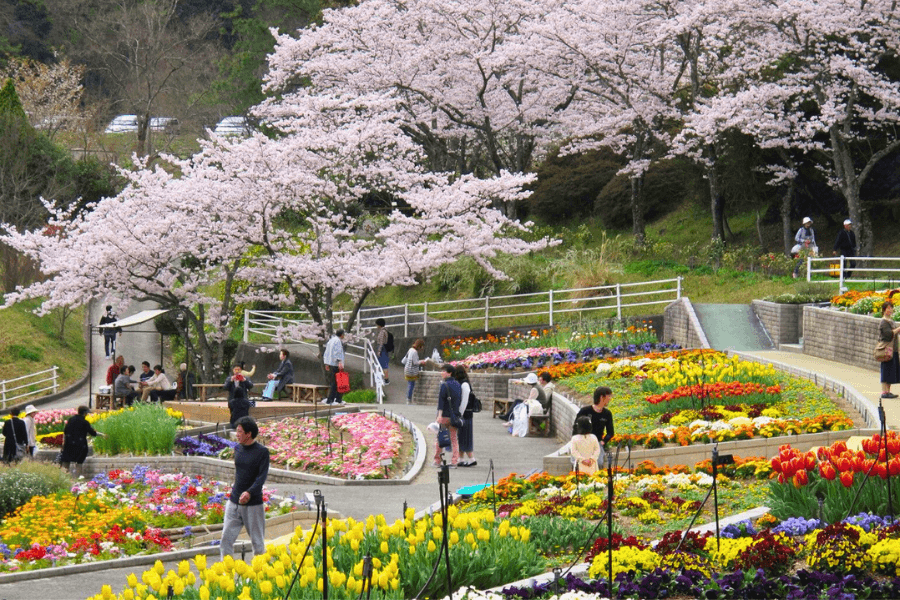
x=114, y=370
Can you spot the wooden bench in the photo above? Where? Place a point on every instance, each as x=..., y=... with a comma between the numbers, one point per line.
x=215, y=390
x=308, y=392
x=540, y=425
x=502, y=406
x=108, y=401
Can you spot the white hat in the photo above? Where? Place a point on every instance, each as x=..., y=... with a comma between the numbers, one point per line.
x=531, y=378
x=806, y=220
x=30, y=409
x=848, y=222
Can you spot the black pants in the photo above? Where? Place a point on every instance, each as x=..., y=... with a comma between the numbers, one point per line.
x=157, y=395
x=109, y=344
x=333, y=395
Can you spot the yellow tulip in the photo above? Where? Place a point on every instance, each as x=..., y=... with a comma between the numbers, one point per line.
x=454, y=538
x=178, y=587
x=106, y=592
x=132, y=580
x=384, y=547
x=159, y=567
x=128, y=594
x=265, y=587
x=431, y=546
x=245, y=593
x=184, y=568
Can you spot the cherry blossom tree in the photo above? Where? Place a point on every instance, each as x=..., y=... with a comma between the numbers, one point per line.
x=470, y=104
x=818, y=81
x=274, y=219
x=605, y=52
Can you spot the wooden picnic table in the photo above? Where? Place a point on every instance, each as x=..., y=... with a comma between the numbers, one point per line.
x=308, y=392
x=502, y=406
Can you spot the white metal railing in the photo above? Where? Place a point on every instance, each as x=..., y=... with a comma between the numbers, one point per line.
x=879, y=269
x=35, y=383
x=550, y=305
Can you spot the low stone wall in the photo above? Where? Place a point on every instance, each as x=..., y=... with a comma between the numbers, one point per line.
x=681, y=326
x=691, y=455
x=783, y=322
x=840, y=336
x=485, y=385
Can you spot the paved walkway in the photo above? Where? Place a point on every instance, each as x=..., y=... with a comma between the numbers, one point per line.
x=865, y=381
x=491, y=443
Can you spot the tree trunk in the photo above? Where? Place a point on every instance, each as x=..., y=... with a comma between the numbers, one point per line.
x=717, y=202
x=638, y=228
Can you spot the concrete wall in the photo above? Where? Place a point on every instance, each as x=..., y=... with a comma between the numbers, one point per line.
x=840, y=336
x=783, y=322
x=681, y=326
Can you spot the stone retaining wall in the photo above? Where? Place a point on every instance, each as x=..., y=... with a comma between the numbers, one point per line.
x=783, y=322
x=681, y=326
x=485, y=385
x=840, y=336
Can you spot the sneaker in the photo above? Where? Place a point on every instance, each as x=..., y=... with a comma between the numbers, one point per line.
x=888, y=395
x=339, y=402
x=471, y=463
x=328, y=402
x=451, y=466
x=387, y=381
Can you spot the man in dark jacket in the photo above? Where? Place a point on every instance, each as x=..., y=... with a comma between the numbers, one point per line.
x=846, y=245
x=601, y=417
x=238, y=388
x=245, y=507
x=284, y=374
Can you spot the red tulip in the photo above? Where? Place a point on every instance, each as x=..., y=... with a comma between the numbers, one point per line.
x=894, y=466
x=800, y=478
x=847, y=478
x=810, y=461
x=776, y=464
x=827, y=471
x=843, y=464
x=881, y=469
x=893, y=446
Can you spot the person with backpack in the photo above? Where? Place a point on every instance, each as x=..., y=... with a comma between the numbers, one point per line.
x=412, y=364
x=384, y=345
x=109, y=333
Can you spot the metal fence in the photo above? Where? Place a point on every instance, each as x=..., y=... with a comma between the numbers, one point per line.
x=11, y=390
x=866, y=269
x=490, y=311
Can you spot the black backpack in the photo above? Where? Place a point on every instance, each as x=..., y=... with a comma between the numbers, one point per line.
x=389, y=346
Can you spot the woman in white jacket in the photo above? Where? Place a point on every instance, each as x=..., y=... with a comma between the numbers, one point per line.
x=412, y=364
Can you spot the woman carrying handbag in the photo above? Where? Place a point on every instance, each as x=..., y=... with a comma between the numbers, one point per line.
x=887, y=346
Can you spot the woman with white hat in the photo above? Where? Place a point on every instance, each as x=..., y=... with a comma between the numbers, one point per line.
x=30, y=428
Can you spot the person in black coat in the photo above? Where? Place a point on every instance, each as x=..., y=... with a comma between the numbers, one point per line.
x=238, y=388
x=284, y=374
x=75, y=445
x=845, y=244
x=600, y=416
x=14, y=432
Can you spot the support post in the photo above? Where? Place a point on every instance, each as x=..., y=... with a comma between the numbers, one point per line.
x=550, y=309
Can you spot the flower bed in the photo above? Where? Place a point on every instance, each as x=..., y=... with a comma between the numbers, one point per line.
x=669, y=399
x=49, y=424
x=576, y=339
x=483, y=552
x=542, y=357
x=350, y=445
x=120, y=513
x=646, y=503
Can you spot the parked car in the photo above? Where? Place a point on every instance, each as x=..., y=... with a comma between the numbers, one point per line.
x=123, y=124
x=129, y=123
x=232, y=126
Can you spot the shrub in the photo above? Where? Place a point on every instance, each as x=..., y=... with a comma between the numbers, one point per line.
x=146, y=429
x=360, y=396
x=20, y=483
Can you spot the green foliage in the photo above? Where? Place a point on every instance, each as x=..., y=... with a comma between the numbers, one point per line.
x=19, y=483
x=805, y=293
x=10, y=105
x=553, y=536
x=465, y=277
x=146, y=429
x=360, y=397
x=24, y=353
x=663, y=181
x=568, y=186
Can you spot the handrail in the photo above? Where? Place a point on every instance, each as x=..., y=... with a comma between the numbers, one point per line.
x=30, y=380
x=586, y=300
x=860, y=264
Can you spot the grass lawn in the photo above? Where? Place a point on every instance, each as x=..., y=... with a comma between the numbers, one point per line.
x=29, y=343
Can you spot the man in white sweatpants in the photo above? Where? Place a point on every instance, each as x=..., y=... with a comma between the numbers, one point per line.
x=245, y=507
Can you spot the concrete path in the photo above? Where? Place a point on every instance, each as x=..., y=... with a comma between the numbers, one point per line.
x=865, y=381
x=732, y=327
